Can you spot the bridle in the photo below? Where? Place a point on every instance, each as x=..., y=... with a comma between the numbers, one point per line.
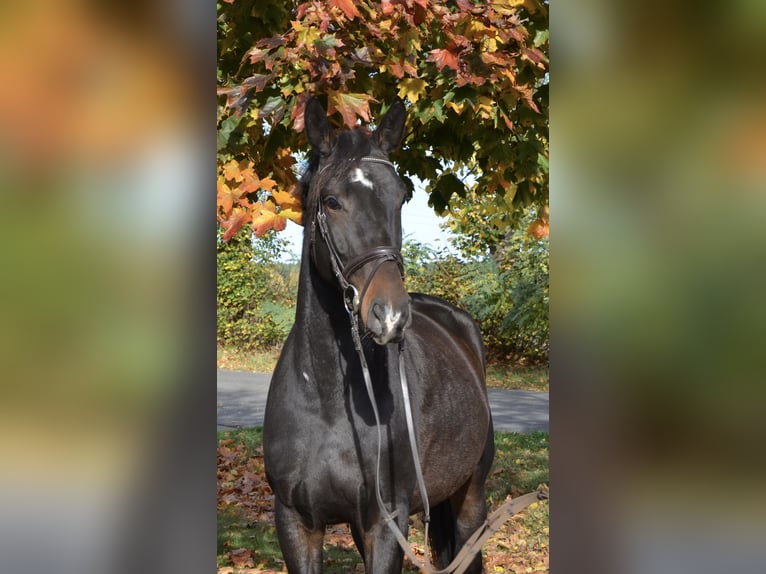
x=352, y=298
x=352, y=301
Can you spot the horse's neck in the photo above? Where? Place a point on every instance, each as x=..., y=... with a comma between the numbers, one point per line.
x=320, y=314
x=323, y=329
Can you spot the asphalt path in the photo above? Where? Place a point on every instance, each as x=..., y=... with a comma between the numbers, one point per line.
x=242, y=401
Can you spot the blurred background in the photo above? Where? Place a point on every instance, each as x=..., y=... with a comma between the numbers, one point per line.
x=107, y=158
x=658, y=270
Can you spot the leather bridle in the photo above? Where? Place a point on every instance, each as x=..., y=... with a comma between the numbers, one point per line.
x=352, y=298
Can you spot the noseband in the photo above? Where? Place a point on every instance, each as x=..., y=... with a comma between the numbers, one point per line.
x=352, y=298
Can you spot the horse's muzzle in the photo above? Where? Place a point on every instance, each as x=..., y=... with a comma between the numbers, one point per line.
x=387, y=324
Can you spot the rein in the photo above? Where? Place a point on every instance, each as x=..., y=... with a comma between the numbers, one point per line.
x=352, y=301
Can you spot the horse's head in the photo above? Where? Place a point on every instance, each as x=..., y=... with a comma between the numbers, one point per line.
x=354, y=205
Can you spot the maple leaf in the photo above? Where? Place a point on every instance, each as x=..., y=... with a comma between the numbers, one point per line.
x=267, y=183
x=256, y=55
x=257, y=81
x=396, y=69
x=265, y=218
x=412, y=89
x=237, y=99
x=250, y=182
x=292, y=215
x=232, y=170
x=458, y=108
x=350, y=106
x=348, y=7
x=442, y=58
x=286, y=200
x=490, y=58
x=271, y=43
x=226, y=196
x=232, y=225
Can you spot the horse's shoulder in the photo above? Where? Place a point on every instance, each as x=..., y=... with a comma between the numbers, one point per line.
x=455, y=320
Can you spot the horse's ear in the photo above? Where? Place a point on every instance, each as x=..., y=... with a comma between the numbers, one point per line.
x=389, y=133
x=318, y=129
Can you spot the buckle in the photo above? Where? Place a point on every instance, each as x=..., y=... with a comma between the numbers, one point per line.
x=351, y=299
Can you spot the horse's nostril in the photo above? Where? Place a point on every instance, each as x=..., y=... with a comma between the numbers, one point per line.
x=387, y=324
x=379, y=310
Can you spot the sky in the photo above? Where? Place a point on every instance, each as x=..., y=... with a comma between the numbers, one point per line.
x=419, y=223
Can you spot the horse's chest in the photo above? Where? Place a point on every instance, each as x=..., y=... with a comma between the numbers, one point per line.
x=320, y=473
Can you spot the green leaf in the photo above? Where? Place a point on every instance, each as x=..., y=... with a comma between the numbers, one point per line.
x=448, y=185
x=228, y=126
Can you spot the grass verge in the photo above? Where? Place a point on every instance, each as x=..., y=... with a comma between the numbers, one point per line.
x=252, y=361
x=499, y=376
x=247, y=540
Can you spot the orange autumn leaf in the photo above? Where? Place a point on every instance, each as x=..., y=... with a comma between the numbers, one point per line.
x=265, y=218
x=234, y=223
x=443, y=58
x=286, y=200
x=292, y=215
x=232, y=170
x=226, y=196
x=348, y=7
x=250, y=184
x=540, y=227
x=267, y=183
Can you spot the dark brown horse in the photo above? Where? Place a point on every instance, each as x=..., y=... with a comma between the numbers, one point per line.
x=321, y=438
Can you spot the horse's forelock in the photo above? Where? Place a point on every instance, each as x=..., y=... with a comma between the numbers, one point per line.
x=350, y=147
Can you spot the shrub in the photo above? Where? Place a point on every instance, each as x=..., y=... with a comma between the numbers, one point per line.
x=507, y=292
x=256, y=303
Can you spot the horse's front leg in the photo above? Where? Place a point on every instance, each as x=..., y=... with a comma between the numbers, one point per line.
x=382, y=553
x=301, y=546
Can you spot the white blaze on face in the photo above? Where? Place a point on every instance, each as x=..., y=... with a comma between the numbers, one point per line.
x=358, y=176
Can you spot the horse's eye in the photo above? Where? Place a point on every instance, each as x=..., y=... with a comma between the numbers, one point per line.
x=332, y=202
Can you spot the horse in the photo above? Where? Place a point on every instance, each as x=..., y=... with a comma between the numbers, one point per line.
x=337, y=444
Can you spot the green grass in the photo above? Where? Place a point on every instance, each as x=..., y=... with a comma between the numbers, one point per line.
x=259, y=361
x=236, y=531
x=499, y=376
x=503, y=376
x=521, y=464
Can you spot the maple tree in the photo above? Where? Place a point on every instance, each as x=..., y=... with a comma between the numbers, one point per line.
x=473, y=75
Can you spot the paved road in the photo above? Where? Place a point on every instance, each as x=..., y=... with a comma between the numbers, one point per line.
x=242, y=400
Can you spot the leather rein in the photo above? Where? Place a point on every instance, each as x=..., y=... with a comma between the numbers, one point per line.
x=352, y=301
